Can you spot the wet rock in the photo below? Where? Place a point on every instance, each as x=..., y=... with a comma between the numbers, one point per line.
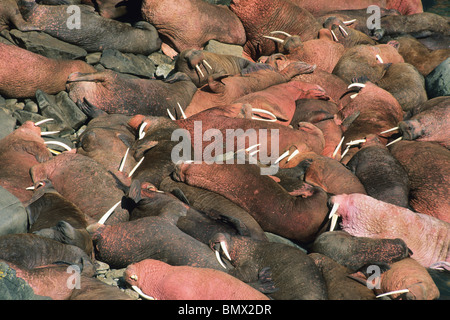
x=93, y=58
x=134, y=64
x=13, y=216
x=7, y=122
x=50, y=109
x=437, y=83
x=46, y=45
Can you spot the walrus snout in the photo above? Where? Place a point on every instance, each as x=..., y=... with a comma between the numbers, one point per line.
x=409, y=129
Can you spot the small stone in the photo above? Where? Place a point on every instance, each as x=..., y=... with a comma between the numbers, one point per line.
x=101, y=267
x=93, y=58
x=19, y=106
x=31, y=106
x=223, y=48
x=10, y=103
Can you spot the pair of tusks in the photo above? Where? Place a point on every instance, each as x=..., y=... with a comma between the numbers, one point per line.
x=393, y=141
x=277, y=39
x=223, y=245
x=182, y=113
x=355, y=84
x=285, y=154
x=46, y=133
x=200, y=70
x=274, y=117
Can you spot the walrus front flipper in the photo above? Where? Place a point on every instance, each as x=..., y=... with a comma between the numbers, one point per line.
x=177, y=192
x=264, y=283
x=89, y=109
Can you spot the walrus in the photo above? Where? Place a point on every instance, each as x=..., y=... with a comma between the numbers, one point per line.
x=95, y=33
x=22, y=72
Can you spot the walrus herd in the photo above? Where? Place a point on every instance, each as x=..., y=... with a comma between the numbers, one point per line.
x=224, y=150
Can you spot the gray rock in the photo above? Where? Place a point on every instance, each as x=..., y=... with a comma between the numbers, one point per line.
x=73, y=115
x=5, y=37
x=159, y=58
x=13, y=216
x=134, y=64
x=23, y=115
x=437, y=82
x=46, y=45
x=163, y=70
x=7, y=123
x=31, y=106
x=223, y=48
x=15, y=288
x=50, y=109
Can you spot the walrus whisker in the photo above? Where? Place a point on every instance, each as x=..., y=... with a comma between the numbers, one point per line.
x=337, y=148
x=207, y=64
x=135, y=167
x=141, y=130
x=108, y=213
x=281, y=32
x=122, y=163
x=334, y=36
x=59, y=143
x=343, y=30
x=142, y=294
x=47, y=133
x=274, y=39
x=170, y=115
x=392, y=292
x=284, y=155
x=390, y=130
x=349, y=22
x=43, y=121
x=182, y=111
x=220, y=259
x=199, y=70
x=379, y=58
x=293, y=155
x=223, y=245
x=392, y=142
x=356, y=84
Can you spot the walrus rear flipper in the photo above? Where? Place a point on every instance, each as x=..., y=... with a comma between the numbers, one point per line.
x=89, y=109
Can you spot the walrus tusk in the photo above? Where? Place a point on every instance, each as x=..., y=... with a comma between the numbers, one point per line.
x=170, y=115
x=392, y=292
x=334, y=36
x=281, y=32
x=47, y=133
x=355, y=142
x=207, y=64
x=135, y=167
x=345, y=152
x=220, y=259
x=59, y=143
x=379, y=58
x=251, y=154
x=142, y=294
x=296, y=152
x=274, y=39
x=223, y=245
x=356, y=84
x=141, y=130
x=43, y=121
x=349, y=22
x=343, y=30
x=32, y=187
x=284, y=155
x=199, y=70
x=333, y=216
x=108, y=213
x=353, y=96
x=265, y=112
x=182, y=111
x=54, y=151
x=252, y=147
x=392, y=142
x=337, y=148
x=122, y=163
x=390, y=130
